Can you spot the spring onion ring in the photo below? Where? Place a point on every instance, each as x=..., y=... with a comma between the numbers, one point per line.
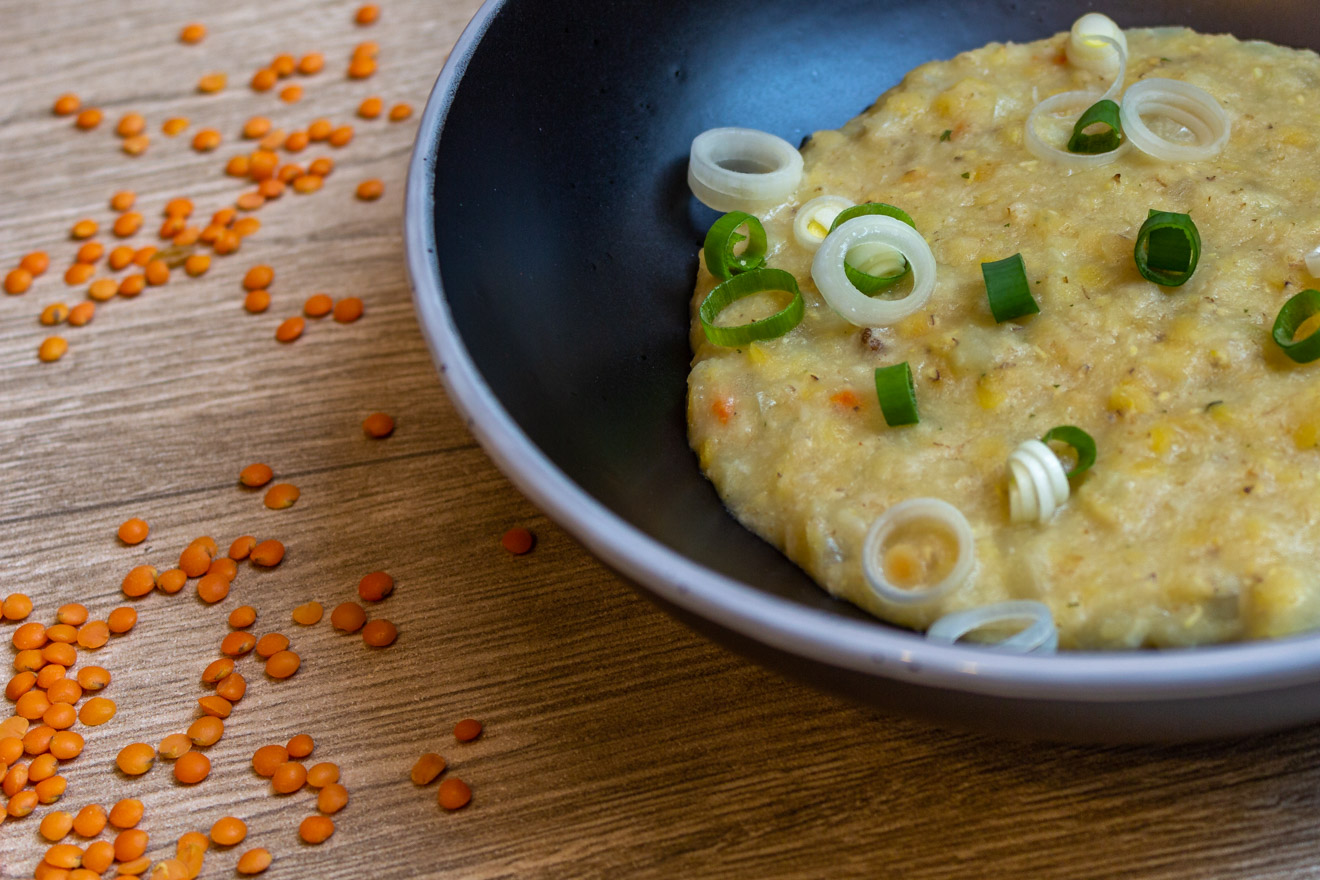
x=1086, y=48
x=897, y=394
x=1040, y=636
x=1082, y=443
x=1193, y=108
x=723, y=237
x=1168, y=248
x=1007, y=289
x=746, y=284
x=742, y=169
x=926, y=511
x=1038, y=485
x=1098, y=45
x=813, y=220
x=873, y=267
x=1294, y=314
x=828, y=270
x=1103, y=112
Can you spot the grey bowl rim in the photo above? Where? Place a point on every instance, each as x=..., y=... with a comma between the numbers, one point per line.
x=875, y=649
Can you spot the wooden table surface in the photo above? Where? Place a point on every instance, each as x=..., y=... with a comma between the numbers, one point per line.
x=617, y=743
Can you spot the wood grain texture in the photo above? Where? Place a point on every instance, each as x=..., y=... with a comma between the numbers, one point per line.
x=617, y=743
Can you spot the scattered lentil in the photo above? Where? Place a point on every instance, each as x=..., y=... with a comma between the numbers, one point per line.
x=254, y=861
x=192, y=33
x=467, y=730
x=332, y=798
x=308, y=613
x=371, y=107
x=379, y=633
x=228, y=831
x=348, y=617
x=370, y=190
x=454, y=794
x=192, y=767
x=427, y=768
x=348, y=310
x=135, y=759
x=289, y=777
x=66, y=104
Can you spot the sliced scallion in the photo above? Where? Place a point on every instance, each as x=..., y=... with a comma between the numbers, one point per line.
x=897, y=394
x=1168, y=248
x=1292, y=316
x=1100, y=113
x=724, y=236
x=746, y=284
x=1007, y=289
x=871, y=277
x=1082, y=443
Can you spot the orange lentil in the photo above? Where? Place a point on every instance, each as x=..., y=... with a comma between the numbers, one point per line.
x=171, y=227
x=212, y=82
x=227, y=242
x=257, y=301
x=283, y=664
x=66, y=104
x=270, y=188
x=289, y=777
x=126, y=813
x=99, y=855
x=258, y=277
x=49, y=674
x=192, y=33
x=232, y=687
x=250, y=201
x=188, y=235
x=308, y=613
x=64, y=690
x=236, y=644
x=207, y=543
x=88, y=119
x=74, y=614
x=22, y=804
x=212, y=232
x=134, y=867
x=348, y=310
x=206, y=731
x=267, y=553
x=43, y=767
x=242, y=616
x=95, y=634
x=348, y=617
x=297, y=141
x=283, y=64
x=367, y=14
x=19, y=685
x=56, y=826
x=130, y=843
x=84, y=228
x=66, y=745
x=256, y=127
x=212, y=588
x=223, y=566
x=321, y=166
x=378, y=425
x=306, y=184
x=178, y=207
x=30, y=660
x=29, y=635
x=271, y=644
x=35, y=263
x=17, y=606
x=341, y=136
x=454, y=794
x=121, y=620
x=120, y=257
x=316, y=829
x=370, y=190
x=60, y=652
x=206, y=140
x=467, y=730
x=60, y=716
x=300, y=746
x=366, y=49
x=192, y=767
x=13, y=727
x=81, y=314
x=96, y=711
x=289, y=329
x=64, y=855
x=311, y=63
x=102, y=289
x=144, y=255
x=237, y=166
x=174, y=125
x=157, y=272
x=332, y=799
x=218, y=707
x=263, y=163
x=133, y=531
x=55, y=313
x=228, y=831
x=140, y=581
x=248, y=225
x=14, y=780
x=127, y=224
x=263, y=80
x=370, y=108
x=427, y=768
x=267, y=759
x=281, y=495
x=241, y=547
x=254, y=861
x=174, y=745
x=135, y=759
x=196, y=265
x=291, y=94
x=375, y=586
x=517, y=540
x=319, y=129
x=89, y=252
x=78, y=273
x=361, y=67
x=172, y=869
x=93, y=678
x=216, y=670
x=290, y=172
x=130, y=124
x=318, y=305
x=323, y=774
x=194, y=560
x=379, y=633
x=400, y=112
x=136, y=145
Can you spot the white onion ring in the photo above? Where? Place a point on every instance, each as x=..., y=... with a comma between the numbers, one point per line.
x=930, y=510
x=822, y=209
x=725, y=189
x=855, y=306
x=1081, y=101
x=1038, y=483
x=1039, y=637
x=1189, y=106
x=1088, y=51
x=1313, y=262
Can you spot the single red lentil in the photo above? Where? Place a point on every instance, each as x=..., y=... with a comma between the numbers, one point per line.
x=133, y=531
x=427, y=768
x=316, y=829
x=96, y=711
x=367, y=14
x=281, y=496
x=212, y=588
x=289, y=777
x=332, y=798
x=308, y=613
x=263, y=80
x=518, y=540
x=88, y=119
x=121, y=620
x=318, y=305
x=375, y=586
x=196, y=264
x=173, y=126
x=311, y=63
x=130, y=124
x=228, y=831
x=291, y=94
x=341, y=136
x=192, y=33
x=212, y=82
x=174, y=745
x=379, y=633
x=467, y=730
x=254, y=861
x=400, y=112
x=93, y=678
x=290, y=329
x=66, y=104
x=206, y=140
x=370, y=190
x=217, y=707
x=236, y=644
x=371, y=107
x=135, y=759
x=206, y=731
x=300, y=745
x=348, y=617
x=16, y=606
x=192, y=767
x=454, y=794
x=348, y=310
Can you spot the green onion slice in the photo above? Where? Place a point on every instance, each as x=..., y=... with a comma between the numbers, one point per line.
x=1292, y=316
x=724, y=236
x=872, y=277
x=1168, y=248
x=1006, y=286
x=746, y=284
x=897, y=394
x=1081, y=442
x=1100, y=113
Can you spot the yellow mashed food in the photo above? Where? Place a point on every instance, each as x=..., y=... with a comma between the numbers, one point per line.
x=1200, y=521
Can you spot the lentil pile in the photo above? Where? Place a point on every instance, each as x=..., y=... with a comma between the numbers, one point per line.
x=59, y=698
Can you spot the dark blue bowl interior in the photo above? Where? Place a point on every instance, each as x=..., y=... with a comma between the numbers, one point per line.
x=567, y=238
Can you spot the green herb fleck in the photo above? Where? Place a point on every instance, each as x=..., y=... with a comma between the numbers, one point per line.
x=966, y=175
x=948, y=133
